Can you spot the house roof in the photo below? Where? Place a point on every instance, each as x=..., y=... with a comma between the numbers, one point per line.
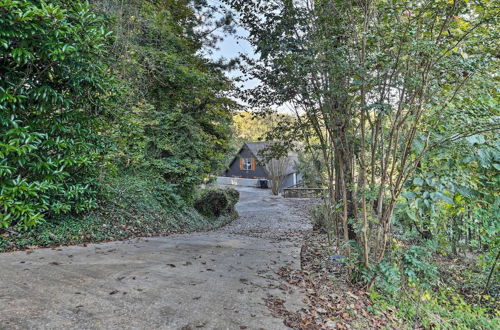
x=256, y=147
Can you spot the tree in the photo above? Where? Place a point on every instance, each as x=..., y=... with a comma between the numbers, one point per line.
x=364, y=76
x=311, y=168
x=174, y=116
x=248, y=128
x=277, y=168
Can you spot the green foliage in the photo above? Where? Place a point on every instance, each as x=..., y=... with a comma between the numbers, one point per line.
x=416, y=266
x=403, y=268
x=248, y=127
x=402, y=98
x=62, y=72
x=52, y=90
x=173, y=117
x=146, y=192
x=420, y=290
x=211, y=202
x=321, y=217
x=311, y=168
x=132, y=205
x=454, y=195
x=215, y=202
x=440, y=309
x=233, y=196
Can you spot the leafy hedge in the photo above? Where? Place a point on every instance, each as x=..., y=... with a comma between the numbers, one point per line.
x=50, y=94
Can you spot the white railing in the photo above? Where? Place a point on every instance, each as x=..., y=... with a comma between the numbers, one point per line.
x=237, y=181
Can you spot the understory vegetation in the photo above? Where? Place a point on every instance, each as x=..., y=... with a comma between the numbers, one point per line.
x=134, y=205
x=113, y=115
x=110, y=118
x=396, y=107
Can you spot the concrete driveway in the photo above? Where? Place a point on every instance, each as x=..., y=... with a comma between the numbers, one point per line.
x=210, y=280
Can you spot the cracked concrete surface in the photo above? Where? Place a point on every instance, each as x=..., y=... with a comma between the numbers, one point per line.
x=209, y=280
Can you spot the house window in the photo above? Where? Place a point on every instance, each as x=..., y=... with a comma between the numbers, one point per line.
x=247, y=164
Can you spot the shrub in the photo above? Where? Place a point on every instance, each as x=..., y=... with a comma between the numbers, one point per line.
x=233, y=196
x=322, y=217
x=403, y=267
x=132, y=204
x=214, y=202
x=51, y=93
x=442, y=308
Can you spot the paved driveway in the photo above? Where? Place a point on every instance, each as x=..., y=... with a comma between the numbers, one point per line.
x=210, y=280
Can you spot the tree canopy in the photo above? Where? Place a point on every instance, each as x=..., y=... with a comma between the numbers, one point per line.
x=92, y=91
x=383, y=89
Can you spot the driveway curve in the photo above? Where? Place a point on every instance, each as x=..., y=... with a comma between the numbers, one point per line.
x=206, y=280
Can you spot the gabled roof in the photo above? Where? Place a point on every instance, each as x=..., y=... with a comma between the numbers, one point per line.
x=256, y=147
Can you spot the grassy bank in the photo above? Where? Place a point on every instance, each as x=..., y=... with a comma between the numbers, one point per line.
x=135, y=206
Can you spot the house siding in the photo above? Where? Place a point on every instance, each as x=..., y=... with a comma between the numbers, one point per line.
x=288, y=181
x=234, y=169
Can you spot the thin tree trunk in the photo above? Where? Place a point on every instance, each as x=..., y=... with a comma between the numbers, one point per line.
x=487, y=286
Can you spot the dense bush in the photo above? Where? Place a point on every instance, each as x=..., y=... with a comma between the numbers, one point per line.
x=320, y=217
x=214, y=202
x=402, y=268
x=51, y=91
x=233, y=197
x=442, y=308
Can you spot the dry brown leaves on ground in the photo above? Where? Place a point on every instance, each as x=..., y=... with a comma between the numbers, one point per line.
x=332, y=302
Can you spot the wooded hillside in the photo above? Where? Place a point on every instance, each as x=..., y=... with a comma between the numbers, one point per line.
x=107, y=106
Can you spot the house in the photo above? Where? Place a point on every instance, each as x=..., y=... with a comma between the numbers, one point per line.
x=248, y=166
